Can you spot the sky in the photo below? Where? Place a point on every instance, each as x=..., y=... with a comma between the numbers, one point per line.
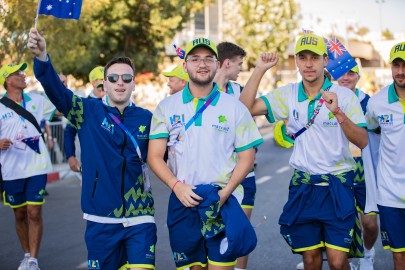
x=373, y=14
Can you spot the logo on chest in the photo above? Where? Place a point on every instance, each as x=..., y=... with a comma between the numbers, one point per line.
x=222, y=124
x=107, y=126
x=386, y=119
x=331, y=122
x=177, y=120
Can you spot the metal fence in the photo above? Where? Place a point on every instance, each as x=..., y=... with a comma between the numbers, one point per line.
x=57, y=152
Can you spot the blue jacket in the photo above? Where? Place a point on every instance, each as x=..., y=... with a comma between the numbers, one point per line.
x=69, y=138
x=112, y=173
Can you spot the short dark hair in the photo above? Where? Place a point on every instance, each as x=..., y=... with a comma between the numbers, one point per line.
x=118, y=60
x=5, y=85
x=228, y=50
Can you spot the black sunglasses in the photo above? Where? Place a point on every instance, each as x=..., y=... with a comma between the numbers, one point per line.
x=126, y=78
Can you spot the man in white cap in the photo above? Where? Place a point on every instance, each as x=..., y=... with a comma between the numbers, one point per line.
x=24, y=158
x=177, y=79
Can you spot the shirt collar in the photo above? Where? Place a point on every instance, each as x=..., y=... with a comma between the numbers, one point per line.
x=187, y=96
x=392, y=94
x=25, y=97
x=302, y=96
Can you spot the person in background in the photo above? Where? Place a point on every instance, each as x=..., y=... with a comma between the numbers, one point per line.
x=24, y=160
x=177, y=79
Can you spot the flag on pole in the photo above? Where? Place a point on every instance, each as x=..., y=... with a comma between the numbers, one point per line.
x=63, y=9
x=33, y=143
x=180, y=52
x=340, y=60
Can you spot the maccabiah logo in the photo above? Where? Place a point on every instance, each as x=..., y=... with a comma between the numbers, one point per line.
x=221, y=126
x=177, y=120
x=179, y=257
x=93, y=265
x=107, y=126
x=386, y=119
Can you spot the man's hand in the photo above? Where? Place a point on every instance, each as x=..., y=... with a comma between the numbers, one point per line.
x=37, y=45
x=5, y=144
x=266, y=60
x=186, y=196
x=331, y=100
x=74, y=164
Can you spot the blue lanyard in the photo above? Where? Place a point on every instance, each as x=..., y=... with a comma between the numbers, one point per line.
x=198, y=113
x=124, y=128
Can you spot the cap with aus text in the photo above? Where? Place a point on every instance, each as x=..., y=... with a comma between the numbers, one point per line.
x=201, y=42
x=398, y=51
x=6, y=70
x=178, y=72
x=96, y=73
x=311, y=42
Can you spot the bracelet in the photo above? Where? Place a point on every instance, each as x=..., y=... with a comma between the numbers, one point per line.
x=175, y=185
x=344, y=119
x=337, y=111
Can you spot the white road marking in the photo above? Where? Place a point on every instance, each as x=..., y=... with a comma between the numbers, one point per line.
x=283, y=169
x=263, y=179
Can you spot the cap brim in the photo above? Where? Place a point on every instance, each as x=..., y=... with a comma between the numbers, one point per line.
x=316, y=51
x=168, y=74
x=202, y=45
x=396, y=57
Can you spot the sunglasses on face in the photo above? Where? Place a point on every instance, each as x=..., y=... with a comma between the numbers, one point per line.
x=126, y=78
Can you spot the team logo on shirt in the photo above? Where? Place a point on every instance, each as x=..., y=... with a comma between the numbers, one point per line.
x=295, y=115
x=331, y=121
x=177, y=120
x=141, y=130
x=107, y=126
x=221, y=126
x=7, y=115
x=386, y=119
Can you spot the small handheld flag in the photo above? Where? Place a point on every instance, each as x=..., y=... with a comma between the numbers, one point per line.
x=62, y=9
x=180, y=52
x=33, y=143
x=340, y=60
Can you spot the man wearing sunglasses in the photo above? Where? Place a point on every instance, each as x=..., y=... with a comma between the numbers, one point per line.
x=96, y=77
x=211, y=138
x=116, y=197
x=24, y=160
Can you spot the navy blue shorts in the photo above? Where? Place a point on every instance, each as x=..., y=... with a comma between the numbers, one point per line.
x=392, y=224
x=249, y=192
x=113, y=246
x=317, y=224
x=20, y=192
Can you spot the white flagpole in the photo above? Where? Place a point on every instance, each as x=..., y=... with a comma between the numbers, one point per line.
x=36, y=18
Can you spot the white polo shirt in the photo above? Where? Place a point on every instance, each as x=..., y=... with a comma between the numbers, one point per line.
x=207, y=152
x=387, y=111
x=323, y=148
x=20, y=161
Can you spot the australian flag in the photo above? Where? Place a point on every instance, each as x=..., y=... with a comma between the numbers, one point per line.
x=33, y=143
x=180, y=52
x=63, y=9
x=340, y=60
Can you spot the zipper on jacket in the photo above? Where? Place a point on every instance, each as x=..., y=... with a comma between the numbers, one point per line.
x=95, y=184
x=124, y=210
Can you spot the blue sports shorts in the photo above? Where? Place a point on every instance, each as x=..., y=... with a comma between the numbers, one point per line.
x=317, y=225
x=249, y=192
x=113, y=246
x=20, y=192
x=392, y=224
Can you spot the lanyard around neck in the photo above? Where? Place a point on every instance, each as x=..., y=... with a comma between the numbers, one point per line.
x=312, y=119
x=124, y=128
x=197, y=114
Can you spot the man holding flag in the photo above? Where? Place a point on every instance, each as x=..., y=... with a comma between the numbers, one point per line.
x=24, y=158
x=322, y=118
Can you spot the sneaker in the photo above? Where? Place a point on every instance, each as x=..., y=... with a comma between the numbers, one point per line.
x=367, y=263
x=24, y=264
x=33, y=266
x=300, y=266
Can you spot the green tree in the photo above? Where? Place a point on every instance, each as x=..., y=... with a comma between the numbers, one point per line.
x=139, y=29
x=260, y=25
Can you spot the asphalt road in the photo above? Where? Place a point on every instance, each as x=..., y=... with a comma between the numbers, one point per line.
x=63, y=246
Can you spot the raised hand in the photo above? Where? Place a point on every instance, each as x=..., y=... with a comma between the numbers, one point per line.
x=37, y=45
x=267, y=60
